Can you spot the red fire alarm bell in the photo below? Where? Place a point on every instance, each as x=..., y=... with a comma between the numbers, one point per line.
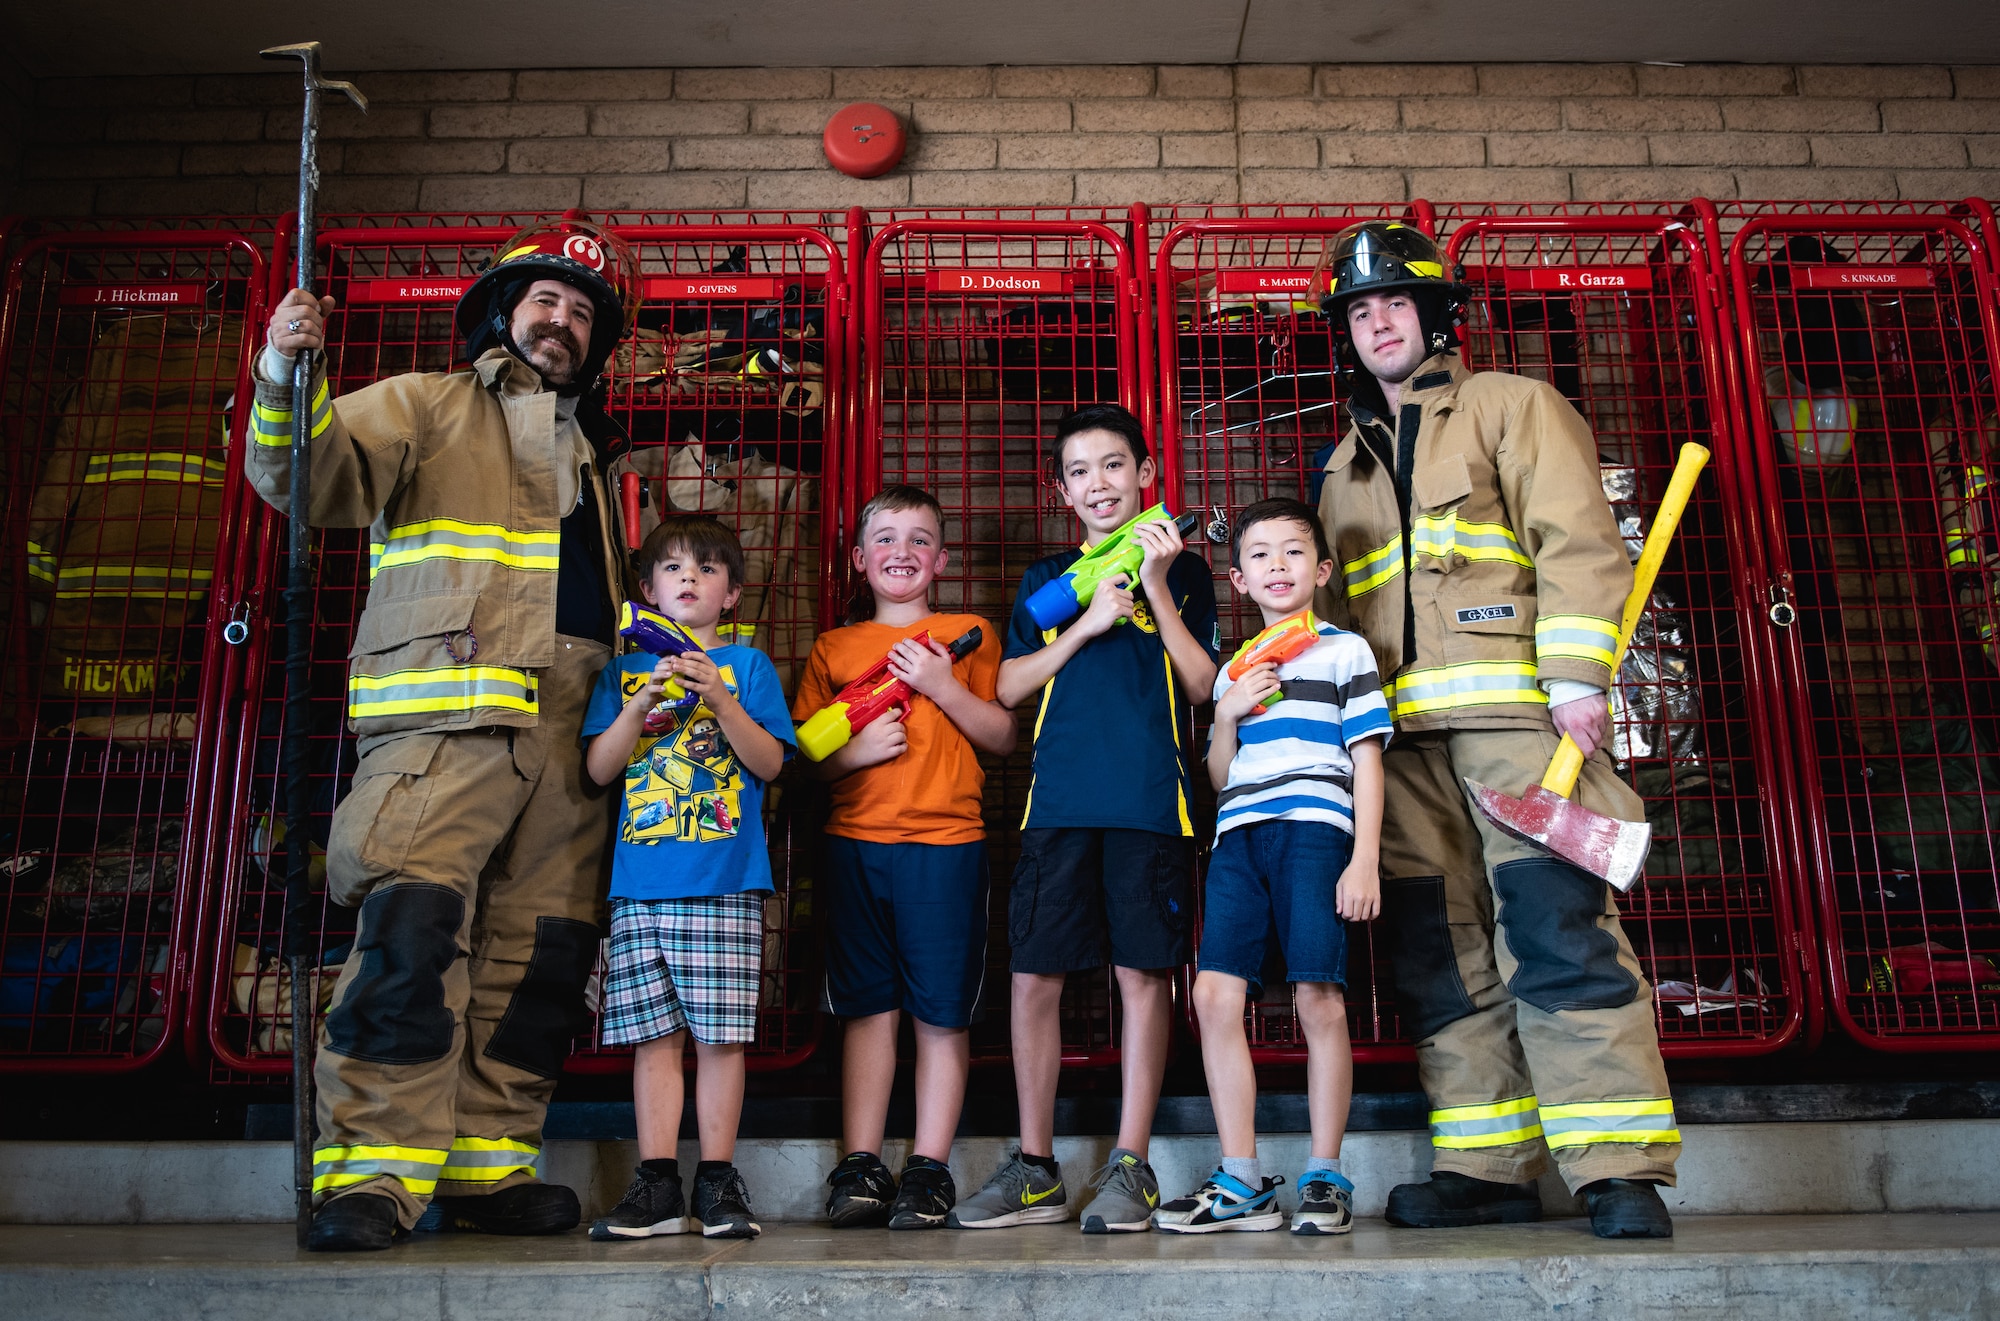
x=864, y=140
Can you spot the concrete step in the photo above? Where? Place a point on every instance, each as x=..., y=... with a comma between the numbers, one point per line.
x=1726, y=1169
x=1803, y=1268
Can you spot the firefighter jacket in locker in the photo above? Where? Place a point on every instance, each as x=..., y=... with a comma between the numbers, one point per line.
x=462, y=475
x=123, y=526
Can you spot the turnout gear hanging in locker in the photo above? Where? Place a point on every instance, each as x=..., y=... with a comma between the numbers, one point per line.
x=1481, y=561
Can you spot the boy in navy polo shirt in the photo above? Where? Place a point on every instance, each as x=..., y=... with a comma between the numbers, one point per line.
x=1106, y=846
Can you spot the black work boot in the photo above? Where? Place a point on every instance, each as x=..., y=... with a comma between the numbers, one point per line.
x=1626, y=1208
x=525, y=1208
x=358, y=1222
x=1451, y=1201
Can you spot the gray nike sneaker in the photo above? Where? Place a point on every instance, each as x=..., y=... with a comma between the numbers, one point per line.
x=1017, y=1194
x=1128, y=1192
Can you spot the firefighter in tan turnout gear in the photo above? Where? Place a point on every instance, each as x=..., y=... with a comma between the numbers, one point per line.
x=1482, y=563
x=471, y=839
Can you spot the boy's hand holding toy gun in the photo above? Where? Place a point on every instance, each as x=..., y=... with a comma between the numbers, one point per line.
x=873, y=695
x=662, y=636
x=1063, y=598
x=1285, y=640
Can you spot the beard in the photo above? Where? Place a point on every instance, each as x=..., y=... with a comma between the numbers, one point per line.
x=558, y=370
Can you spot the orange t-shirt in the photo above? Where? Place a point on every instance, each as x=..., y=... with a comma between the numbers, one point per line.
x=930, y=794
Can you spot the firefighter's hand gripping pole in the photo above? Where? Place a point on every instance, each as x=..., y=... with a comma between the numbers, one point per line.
x=298, y=647
x=1545, y=816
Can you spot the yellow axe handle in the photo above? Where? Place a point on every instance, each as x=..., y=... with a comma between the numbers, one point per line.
x=1567, y=764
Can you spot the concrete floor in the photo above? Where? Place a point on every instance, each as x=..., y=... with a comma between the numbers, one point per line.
x=1769, y=1268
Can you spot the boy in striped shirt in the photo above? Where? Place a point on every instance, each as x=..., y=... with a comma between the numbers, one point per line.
x=1295, y=755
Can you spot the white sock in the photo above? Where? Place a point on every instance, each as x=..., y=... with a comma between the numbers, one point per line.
x=1245, y=1169
x=1325, y=1163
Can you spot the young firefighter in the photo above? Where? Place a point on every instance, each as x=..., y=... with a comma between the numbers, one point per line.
x=1295, y=755
x=688, y=876
x=1106, y=846
x=904, y=887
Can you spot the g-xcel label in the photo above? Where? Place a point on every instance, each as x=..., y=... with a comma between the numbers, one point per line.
x=1480, y=614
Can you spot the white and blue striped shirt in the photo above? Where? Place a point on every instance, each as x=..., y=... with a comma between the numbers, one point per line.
x=1291, y=763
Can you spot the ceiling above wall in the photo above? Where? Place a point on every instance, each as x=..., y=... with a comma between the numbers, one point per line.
x=217, y=36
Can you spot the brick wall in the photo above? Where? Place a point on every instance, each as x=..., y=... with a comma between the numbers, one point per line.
x=700, y=138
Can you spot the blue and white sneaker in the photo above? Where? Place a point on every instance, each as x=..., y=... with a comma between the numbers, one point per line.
x=1326, y=1203
x=1222, y=1203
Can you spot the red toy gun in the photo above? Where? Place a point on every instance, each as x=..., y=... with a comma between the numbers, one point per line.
x=1285, y=640
x=873, y=694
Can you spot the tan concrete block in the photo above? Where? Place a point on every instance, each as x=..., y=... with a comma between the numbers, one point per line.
x=1556, y=80
x=259, y=89
x=1950, y=184
x=1079, y=151
x=1976, y=80
x=594, y=85
x=1566, y=149
x=910, y=84
x=1715, y=80
x=1482, y=114
x=1895, y=151
x=178, y=197
x=600, y=155
x=808, y=119
x=1819, y=185
x=254, y=158
x=1152, y=116
x=1984, y=149
x=1195, y=80
x=341, y=122
x=1199, y=151
x=1491, y=185
x=499, y=192
x=101, y=161
x=1281, y=151
x=1941, y=116
x=539, y=120
x=224, y=125
x=345, y=192
x=765, y=153
x=668, y=119
x=665, y=192
x=1364, y=80
x=1403, y=150
x=474, y=85
x=1315, y=116
x=1642, y=114
x=990, y=116
x=1730, y=149
x=1653, y=185
x=425, y=157
x=1874, y=80
x=824, y=190
x=1792, y=114
x=1075, y=80
x=1262, y=80
x=1305, y=186
x=116, y=93
x=993, y=188
x=949, y=151
x=1165, y=187
x=753, y=84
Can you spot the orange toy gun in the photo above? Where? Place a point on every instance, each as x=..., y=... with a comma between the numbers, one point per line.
x=874, y=694
x=1285, y=640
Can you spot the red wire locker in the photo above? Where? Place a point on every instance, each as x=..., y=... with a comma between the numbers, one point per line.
x=1868, y=342
x=121, y=364
x=724, y=388
x=978, y=335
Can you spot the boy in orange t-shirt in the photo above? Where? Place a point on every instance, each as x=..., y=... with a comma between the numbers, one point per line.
x=904, y=886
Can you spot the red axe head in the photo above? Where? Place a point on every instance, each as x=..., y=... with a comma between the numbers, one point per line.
x=1601, y=845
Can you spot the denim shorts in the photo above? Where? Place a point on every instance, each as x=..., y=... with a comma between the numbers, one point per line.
x=1273, y=882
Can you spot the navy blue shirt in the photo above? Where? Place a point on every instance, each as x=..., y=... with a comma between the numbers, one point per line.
x=1111, y=725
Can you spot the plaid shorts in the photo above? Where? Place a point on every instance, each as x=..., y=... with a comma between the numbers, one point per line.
x=684, y=963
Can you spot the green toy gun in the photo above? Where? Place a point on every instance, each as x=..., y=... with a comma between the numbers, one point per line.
x=1063, y=598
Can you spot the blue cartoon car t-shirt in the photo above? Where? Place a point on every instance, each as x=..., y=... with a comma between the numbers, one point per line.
x=684, y=786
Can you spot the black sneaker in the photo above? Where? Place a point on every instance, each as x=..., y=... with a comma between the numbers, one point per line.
x=1624, y=1208
x=524, y=1209
x=653, y=1205
x=722, y=1204
x=1450, y=1201
x=358, y=1222
x=926, y=1198
x=862, y=1191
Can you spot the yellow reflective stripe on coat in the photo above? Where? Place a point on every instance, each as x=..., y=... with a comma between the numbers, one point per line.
x=154, y=581
x=273, y=426
x=1579, y=1125
x=343, y=1167
x=446, y=688
x=1961, y=541
x=144, y=466
x=41, y=564
x=451, y=539
x=374, y=559
x=1469, y=683
x=1576, y=637
x=487, y=1160
x=1468, y=1127
x=1440, y=536
x=1370, y=571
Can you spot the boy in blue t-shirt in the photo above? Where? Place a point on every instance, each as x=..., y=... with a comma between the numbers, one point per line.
x=1106, y=845
x=1295, y=755
x=688, y=875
